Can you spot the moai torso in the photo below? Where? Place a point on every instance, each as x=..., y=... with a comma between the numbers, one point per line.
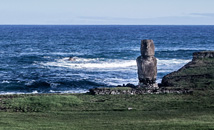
x=147, y=64
x=147, y=68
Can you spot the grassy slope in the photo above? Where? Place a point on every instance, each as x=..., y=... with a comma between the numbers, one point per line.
x=82, y=111
x=197, y=74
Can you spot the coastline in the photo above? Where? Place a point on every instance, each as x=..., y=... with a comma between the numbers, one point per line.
x=151, y=110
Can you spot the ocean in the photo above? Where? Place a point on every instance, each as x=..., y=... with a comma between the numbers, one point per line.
x=35, y=58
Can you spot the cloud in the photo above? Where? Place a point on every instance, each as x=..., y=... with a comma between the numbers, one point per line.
x=110, y=18
x=170, y=20
x=191, y=19
x=203, y=14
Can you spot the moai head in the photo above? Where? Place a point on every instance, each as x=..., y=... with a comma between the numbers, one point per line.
x=147, y=48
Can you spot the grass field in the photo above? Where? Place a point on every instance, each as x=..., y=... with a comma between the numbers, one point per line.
x=83, y=111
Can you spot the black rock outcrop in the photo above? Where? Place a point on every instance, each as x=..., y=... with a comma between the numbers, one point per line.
x=198, y=74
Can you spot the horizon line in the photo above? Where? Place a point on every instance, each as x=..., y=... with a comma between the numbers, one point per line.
x=111, y=24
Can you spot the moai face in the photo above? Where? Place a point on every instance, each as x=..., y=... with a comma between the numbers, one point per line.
x=147, y=48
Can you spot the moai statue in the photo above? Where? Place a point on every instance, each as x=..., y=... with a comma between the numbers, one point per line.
x=147, y=65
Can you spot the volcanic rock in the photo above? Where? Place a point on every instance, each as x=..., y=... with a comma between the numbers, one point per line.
x=197, y=74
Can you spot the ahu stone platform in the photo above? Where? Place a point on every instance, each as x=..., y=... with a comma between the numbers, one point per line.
x=137, y=91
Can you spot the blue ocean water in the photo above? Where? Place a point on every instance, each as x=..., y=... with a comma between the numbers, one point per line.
x=34, y=59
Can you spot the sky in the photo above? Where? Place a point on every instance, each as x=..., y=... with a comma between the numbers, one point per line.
x=107, y=12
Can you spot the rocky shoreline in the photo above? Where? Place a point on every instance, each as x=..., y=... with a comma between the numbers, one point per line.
x=197, y=74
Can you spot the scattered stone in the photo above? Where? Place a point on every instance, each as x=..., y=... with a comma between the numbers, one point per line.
x=129, y=108
x=203, y=54
x=127, y=85
x=72, y=58
x=138, y=91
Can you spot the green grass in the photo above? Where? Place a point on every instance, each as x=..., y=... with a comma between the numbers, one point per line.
x=198, y=75
x=41, y=103
x=83, y=111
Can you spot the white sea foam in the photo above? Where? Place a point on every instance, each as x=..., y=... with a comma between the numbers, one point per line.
x=53, y=53
x=5, y=81
x=77, y=59
x=158, y=80
x=95, y=63
x=114, y=81
x=64, y=53
x=51, y=91
x=170, y=64
x=35, y=92
x=30, y=82
x=180, y=49
x=172, y=61
x=71, y=91
x=46, y=57
x=11, y=93
x=124, y=67
x=99, y=64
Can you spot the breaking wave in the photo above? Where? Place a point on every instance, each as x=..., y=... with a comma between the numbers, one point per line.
x=96, y=63
x=102, y=64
